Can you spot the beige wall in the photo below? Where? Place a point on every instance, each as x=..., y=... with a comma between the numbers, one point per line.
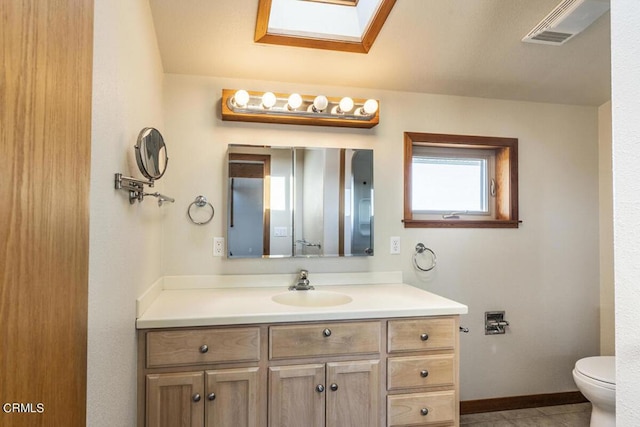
x=607, y=312
x=125, y=240
x=545, y=274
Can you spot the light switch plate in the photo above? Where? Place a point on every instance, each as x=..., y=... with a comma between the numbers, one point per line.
x=280, y=231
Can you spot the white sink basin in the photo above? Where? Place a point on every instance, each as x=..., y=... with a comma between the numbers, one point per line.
x=312, y=298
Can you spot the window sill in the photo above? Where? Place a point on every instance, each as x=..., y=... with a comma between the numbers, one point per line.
x=457, y=223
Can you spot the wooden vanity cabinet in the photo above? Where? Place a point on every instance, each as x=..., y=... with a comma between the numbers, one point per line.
x=225, y=397
x=312, y=374
x=334, y=395
x=330, y=393
x=294, y=397
x=353, y=394
x=175, y=400
x=206, y=377
x=422, y=372
x=232, y=397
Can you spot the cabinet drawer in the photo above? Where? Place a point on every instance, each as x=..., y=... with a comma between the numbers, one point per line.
x=421, y=371
x=327, y=339
x=422, y=334
x=421, y=408
x=175, y=348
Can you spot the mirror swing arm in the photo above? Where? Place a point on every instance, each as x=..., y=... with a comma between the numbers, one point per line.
x=151, y=157
x=135, y=187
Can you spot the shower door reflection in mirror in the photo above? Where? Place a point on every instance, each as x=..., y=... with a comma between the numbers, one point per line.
x=299, y=201
x=259, y=205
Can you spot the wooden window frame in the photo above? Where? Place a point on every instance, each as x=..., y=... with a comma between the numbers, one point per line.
x=262, y=34
x=506, y=153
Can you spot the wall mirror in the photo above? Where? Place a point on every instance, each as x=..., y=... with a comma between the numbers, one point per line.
x=299, y=202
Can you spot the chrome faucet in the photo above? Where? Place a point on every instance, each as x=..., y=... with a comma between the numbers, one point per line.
x=303, y=282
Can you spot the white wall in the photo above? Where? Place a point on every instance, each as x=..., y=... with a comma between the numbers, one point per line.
x=125, y=240
x=312, y=201
x=625, y=66
x=544, y=274
x=607, y=313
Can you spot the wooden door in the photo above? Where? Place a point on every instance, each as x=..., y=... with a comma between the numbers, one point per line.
x=232, y=398
x=353, y=394
x=45, y=132
x=295, y=398
x=175, y=400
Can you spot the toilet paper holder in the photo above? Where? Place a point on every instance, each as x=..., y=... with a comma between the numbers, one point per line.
x=494, y=323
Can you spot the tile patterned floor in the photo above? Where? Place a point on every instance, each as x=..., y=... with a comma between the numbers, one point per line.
x=577, y=415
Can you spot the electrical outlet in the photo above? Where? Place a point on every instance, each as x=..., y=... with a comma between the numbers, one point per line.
x=395, y=246
x=218, y=246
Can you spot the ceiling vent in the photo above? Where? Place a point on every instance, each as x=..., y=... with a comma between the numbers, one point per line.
x=569, y=18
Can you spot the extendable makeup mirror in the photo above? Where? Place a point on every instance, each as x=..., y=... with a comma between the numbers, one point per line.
x=151, y=153
x=152, y=160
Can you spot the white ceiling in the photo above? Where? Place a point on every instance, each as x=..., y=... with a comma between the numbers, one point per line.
x=453, y=47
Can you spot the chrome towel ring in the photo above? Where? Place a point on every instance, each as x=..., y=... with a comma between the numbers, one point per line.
x=420, y=249
x=200, y=202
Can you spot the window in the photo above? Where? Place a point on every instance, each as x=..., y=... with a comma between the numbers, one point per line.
x=450, y=180
x=460, y=181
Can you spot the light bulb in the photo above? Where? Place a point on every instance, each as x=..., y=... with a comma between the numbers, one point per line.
x=241, y=98
x=370, y=107
x=320, y=103
x=294, y=102
x=268, y=100
x=346, y=104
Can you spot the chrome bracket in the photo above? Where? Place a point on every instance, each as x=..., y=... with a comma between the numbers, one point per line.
x=135, y=187
x=494, y=323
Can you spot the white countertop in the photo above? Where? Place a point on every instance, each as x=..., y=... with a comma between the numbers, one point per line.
x=225, y=306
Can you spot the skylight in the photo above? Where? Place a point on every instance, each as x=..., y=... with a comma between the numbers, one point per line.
x=348, y=26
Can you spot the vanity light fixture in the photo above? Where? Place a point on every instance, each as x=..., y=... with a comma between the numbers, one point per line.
x=320, y=103
x=268, y=100
x=369, y=107
x=269, y=107
x=294, y=101
x=346, y=105
x=241, y=98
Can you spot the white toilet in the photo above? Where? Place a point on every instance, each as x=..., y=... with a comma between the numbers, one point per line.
x=596, y=379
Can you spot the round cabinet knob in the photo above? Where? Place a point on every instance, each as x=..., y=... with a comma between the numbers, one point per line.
x=196, y=397
x=424, y=411
x=326, y=332
x=424, y=337
x=333, y=387
x=319, y=388
x=204, y=348
x=211, y=396
x=424, y=373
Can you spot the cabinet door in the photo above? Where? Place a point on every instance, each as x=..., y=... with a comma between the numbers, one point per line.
x=175, y=400
x=353, y=394
x=296, y=396
x=232, y=398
